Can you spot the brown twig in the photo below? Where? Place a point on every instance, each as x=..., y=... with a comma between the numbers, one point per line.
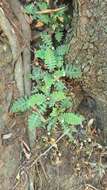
x=39, y=176
x=91, y=186
x=43, y=169
x=49, y=11
x=46, y=151
x=37, y=159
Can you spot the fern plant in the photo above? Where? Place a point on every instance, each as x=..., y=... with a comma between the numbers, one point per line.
x=50, y=104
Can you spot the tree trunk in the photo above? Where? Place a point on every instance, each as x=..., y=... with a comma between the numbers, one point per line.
x=15, y=63
x=88, y=50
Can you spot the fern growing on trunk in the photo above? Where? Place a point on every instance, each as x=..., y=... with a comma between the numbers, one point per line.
x=50, y=104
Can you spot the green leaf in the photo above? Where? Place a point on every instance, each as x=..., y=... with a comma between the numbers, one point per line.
x=44, y=18
x=50, y=59
x=62, y=50
x=42, y=5
x=37, y=74
x=54, y=112
x=58, y=36
x=66, y=103
x=47, y=40
x=60, y=86
x=34, y=121
x=71, y=118
x=48, y=79
x=51, y=123
x=45, y=89
x=29, y=8
x=56, y=97
x=50, y=95
x=40, y=54
x=68, y=131
x=20, y=105
x=60, y=61
x=58, y=74
x=72, y=71
x=43, y=108
x=37, y=99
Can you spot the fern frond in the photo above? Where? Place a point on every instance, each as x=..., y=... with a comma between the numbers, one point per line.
x=50, y=102
x=56, y=97
x=59, y=73
x=69, y=131
x=53, y=118
x=66, y=103
x=34, y=121
x=60, y=86
x=47, y=40
x=30, y=9
x=72, y=71
x=60, y=61
x=40, y=54
x=71, y=118
x=37, y=99
x=58, y=36
x=43, y=108
x=45, y=89
x=50, y=59
x=49, y=80
x=37, y=74
x=42, y=5
x=54, y=112
x=20, y=105
x=62, y=50
x=43, y=18
x=52, y=122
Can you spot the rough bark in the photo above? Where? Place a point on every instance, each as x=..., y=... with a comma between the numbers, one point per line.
x=14, y=70
x=89, y=51
x=26, y=36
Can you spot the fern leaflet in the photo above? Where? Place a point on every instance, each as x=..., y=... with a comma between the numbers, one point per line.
x=37, y=99
x=56, y=97
x=50, y=59
x=20, y=105
x=34, y=121
x=62, y=50
x=72, y=71
x=58, y=36
x=47, y=40
x=37, y=74
x=71, y=118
